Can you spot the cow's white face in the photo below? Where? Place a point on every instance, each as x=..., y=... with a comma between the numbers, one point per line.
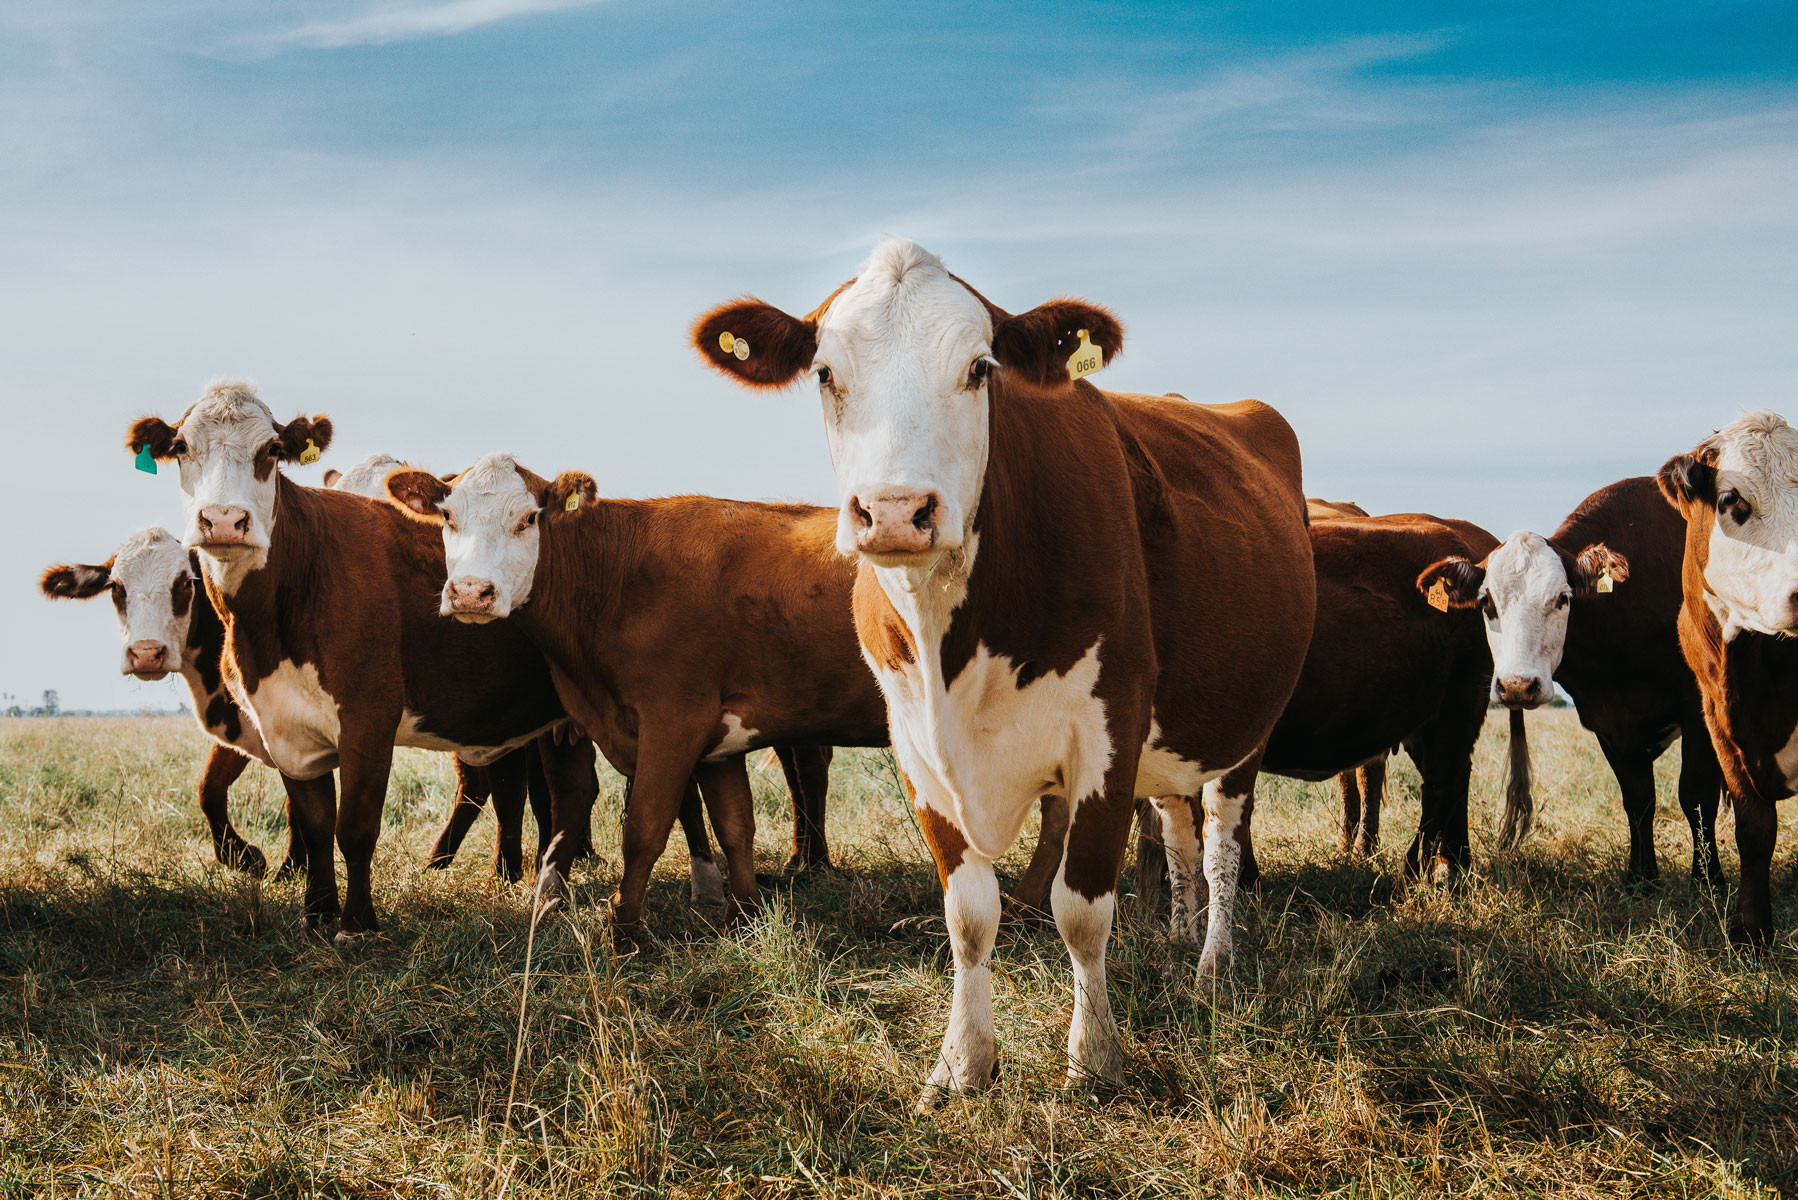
x=1525, y=601
x=902, y=364
x=368, y=477
x=1751, y=568
x=227, y=467
x=151, y=581
x=490, y=539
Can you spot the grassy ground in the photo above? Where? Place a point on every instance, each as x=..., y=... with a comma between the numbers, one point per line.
x=165, y=1029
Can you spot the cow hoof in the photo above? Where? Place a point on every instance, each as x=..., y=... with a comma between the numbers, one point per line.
x=945, y=1083
x=1755, y=941
x=1214, y=984
x=708, y=884
x=290, y=866
x=321, y=928
x=1101, y=1066
x=352, y=943
x=246, y=858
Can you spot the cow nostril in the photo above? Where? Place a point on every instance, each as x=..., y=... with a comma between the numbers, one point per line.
x=487, y=592
x=862, y=517
x=926, y=514
x=243, y=523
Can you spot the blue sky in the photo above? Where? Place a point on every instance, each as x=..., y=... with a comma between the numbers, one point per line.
x=1485, y=259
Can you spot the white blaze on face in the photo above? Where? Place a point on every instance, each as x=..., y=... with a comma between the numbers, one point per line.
x=896, y=349
x=1751, y=570
x=491, y=533
x=228, y=433
x=152, y=573
x=1525, y=601
x=369, y=477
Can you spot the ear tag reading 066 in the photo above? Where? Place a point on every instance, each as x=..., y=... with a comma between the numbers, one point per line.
x=1086, y=358
x=1605, y=582
x=144, y=462
x=1438, y=596
x=309, y=455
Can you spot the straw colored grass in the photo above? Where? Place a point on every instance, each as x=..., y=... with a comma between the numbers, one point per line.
x=165, y=1029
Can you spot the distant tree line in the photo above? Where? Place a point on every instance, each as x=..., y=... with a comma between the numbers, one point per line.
x=51, y=706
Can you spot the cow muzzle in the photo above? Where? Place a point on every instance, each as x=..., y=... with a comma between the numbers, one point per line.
x=471, y=599
x=898, y=526
x=148, y=660
x=1522, y=691
x=224, y=530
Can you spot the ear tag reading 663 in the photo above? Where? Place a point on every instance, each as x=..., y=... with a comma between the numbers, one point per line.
x=1605, y=582
x=573, y=502
x=1438, y=596
x=144, y=462
x=309, y=455
x=1086, y=358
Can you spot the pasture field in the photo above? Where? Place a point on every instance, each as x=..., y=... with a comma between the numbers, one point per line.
x=166, y=1030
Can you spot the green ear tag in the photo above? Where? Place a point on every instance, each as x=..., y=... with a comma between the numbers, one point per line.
x=573, y=502
x=309, y=455
x=144, y=462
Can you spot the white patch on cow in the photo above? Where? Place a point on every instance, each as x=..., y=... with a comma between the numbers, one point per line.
x=1180, y=835
x=1094, y=1048
x=1223, y=863
x=708, y=884
x=1751, y=569
x=737, y=739
x=1787, y=759
x=224, y=431
x=971, y=910
x=1527, y=584
x=899, y=415
x=491, y=533
x=369, y=477
x=1161, y=772
x=298, y=720
x=411, y=733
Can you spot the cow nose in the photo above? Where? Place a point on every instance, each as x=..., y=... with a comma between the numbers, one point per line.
x=895, y=524
x=224, y=525
x=146, y=656
x=470, y=595
x=1521, y=691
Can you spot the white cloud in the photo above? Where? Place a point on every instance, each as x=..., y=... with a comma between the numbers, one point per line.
x=411, y=22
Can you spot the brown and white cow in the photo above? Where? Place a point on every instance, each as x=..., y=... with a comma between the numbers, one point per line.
x=329, y=606
x=1595, y=608
x=1738, y=628
x=681, y=633
x=1060, y=590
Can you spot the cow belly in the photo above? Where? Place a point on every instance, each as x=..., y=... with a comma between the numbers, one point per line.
x=410, y=733
x=1161, y=772
x=298, y=720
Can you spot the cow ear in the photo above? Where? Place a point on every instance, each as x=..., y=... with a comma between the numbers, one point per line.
x=303, y=439
x=418, y=494
x=76, y=581
x=755, y=343
x=569, y=492
x=156, y=435
x=1594, y=564
x=1690, y=479
x=332, y=476
x=1037, y=344
x=1460, y=580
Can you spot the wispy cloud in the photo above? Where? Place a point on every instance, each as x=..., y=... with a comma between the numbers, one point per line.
x=411, y=22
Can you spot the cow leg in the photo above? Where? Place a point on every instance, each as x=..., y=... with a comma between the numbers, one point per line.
x=707, y=883
x=807, y=769
x=312, y=808
x=1372, y=778
x=1757, y=828
x=725, y=786
x=573, y=783
x=1443, y=752
x=506, y=776
x=1229, y=803
x=970, y=1055
x=1085, y=901
x=223, y=767
x=1700, y=784
x=297, y=854
x=1350, y=787
x=1180, y=839
x=473, y=786
x=1151, y=855
x=365, y=766
x=1032, y=891
x=664, y=764
x=1634, y=768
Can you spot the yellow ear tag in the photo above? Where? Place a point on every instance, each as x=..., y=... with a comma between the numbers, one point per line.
x=573, y=502
x=309, y=455
x=727, y=342
x=1438, y=596
x=1086, y=358
x=1604, y=583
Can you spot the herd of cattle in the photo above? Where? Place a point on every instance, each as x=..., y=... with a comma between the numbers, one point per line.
x=1117, y=606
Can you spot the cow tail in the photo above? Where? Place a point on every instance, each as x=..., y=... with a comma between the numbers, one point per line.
x=1520, y=803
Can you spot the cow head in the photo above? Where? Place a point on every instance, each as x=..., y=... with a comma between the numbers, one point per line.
x=1738, y=491
x=492, y=516
x=227, y=447
x=366, y=478
x=1525, y=591
x=905, y=356
x=151, y=579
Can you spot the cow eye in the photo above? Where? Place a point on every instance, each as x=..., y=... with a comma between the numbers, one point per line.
x=178, y=447
x=1488, y=607
x=529, y=519
x=978, y=372
x=1731, y=502
x=824, y=376
x=1562, y=600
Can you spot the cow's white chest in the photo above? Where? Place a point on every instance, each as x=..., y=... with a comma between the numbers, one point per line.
x=982, y=750
x=298, y=720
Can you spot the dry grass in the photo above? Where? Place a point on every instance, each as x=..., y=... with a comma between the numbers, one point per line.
x=165, y=1030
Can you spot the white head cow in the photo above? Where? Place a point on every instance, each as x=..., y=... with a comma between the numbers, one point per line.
x=1741, y=485
x=151, y=578
x=227, y=447
x=1525, y=591
x=492, y=517
x=366, y=478
x=905, y=355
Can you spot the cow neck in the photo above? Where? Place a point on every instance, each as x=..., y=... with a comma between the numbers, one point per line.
x=588, y=562
x=1761, y=706
x=253, y=612
x=203, y=669
x=1631, y=518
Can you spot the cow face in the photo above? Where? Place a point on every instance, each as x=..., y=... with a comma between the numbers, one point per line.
x=1525, y=591
x=1739, y=493
x=227, y=447
x=492, y=516
x=151, y=579
x=905, y=357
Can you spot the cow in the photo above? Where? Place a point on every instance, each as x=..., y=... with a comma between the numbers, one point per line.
x=681, y=633
x=1595, y=608
x=1060, y=590
x=1737, y=492
x=1363, y=789
x=328, y=603
x=1385, y=668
